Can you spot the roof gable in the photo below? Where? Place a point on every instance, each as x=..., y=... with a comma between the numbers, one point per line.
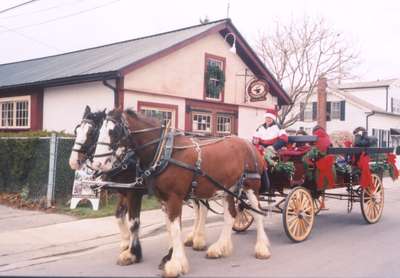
x=114, y=60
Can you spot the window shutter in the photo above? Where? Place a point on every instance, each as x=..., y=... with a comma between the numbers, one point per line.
x=343, y=110
x=302, y=106
x=328, y=110
x=314, y=111
x=391, y=104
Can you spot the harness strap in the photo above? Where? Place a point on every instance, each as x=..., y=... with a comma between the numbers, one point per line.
x=214, y=182
x=206, y=203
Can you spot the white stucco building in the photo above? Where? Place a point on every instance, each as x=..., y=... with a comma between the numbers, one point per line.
x=372, y=105
x=163, y=75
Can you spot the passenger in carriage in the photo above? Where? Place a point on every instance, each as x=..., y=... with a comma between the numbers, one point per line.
x=269, y=138
x=323, y=141
x=269, y=135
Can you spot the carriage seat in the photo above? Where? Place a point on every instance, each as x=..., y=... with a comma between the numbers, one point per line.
x=294, y=152
x=302, y=139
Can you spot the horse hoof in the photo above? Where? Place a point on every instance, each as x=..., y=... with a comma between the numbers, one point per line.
x=126, y=261
x=126, y=258
x=262, y=252
x=188, y=241
x=199, y=245
x=213, y=253
x=173, y=269
x=218, y=250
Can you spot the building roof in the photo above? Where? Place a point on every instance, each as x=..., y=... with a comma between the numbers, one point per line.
x=102, y=59
x=115, y=60
x=367, y=84
x=360, y=102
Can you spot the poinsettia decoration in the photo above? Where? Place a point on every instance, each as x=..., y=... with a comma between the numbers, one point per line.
x=393, y=171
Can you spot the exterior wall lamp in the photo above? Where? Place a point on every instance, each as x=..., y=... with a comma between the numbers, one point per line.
x=233, y=48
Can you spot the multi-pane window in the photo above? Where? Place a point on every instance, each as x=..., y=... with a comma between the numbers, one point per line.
x=382, y=136
x=396, y=105
x=224, y=124
x=335, y=110
x=162, y=114
x=215, y=78
x=14, y=112
x=308, y=112
x=201, y=122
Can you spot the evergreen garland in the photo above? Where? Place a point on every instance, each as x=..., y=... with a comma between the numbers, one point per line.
x=214, y=88
x=285, y=167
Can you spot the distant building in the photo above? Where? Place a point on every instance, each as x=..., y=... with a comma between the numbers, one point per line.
x=373, y=105
x=163, y=75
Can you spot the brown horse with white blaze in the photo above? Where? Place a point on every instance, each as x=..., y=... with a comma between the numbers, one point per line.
x=192, y=169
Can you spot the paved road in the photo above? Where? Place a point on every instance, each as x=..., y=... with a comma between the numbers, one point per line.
x=341, y=245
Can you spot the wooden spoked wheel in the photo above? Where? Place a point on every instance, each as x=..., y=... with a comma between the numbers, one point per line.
x=243, y=220
x=298, y=214
x=372, y=201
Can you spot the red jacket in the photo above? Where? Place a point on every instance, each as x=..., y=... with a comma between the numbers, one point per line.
x=323, y=141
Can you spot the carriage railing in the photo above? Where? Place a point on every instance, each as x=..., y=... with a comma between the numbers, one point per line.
x=359, y=150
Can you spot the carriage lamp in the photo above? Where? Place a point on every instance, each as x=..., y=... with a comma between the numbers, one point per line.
x=233, y=48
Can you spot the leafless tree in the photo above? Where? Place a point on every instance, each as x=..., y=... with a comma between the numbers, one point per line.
x=299, y=53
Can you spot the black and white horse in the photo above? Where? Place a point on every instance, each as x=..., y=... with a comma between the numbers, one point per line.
x=129, y=204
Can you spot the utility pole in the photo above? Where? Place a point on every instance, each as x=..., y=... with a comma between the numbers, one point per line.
x=227, y=9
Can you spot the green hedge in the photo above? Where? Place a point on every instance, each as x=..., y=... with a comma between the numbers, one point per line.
x=35, y=134
x=24, y=165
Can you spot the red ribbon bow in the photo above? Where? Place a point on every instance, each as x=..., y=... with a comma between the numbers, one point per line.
x=366, y=178
x=324, y=166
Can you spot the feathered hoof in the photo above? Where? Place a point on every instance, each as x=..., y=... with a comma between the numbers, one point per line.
x=199, y=244
x=262, y=251
x=174, y=268
x=189, y=241
x=123, y=247
x=217, y=250
x=126, y=258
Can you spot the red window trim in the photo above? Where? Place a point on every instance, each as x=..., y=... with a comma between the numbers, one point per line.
x=218, y=58
x=214, y=109
x=36, y=107
x=140, y=104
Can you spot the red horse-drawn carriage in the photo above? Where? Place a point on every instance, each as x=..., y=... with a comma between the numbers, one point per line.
x=302, y=177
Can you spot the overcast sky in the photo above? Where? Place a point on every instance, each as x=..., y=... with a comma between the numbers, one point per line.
x=47, y=27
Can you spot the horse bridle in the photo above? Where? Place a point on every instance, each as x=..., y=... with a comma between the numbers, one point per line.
x=86, y=147
x=122, y=132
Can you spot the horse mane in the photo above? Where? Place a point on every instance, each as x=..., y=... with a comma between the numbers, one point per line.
x=148, y=120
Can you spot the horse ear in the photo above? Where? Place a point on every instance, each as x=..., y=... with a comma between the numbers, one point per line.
x=87, y=111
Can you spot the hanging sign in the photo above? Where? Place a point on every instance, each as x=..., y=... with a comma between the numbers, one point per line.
x=258, y=90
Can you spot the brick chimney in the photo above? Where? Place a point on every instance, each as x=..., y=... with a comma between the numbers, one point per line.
x=321, y=105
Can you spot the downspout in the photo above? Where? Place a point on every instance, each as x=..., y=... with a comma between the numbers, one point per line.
x=366, y=119
x=114, y=89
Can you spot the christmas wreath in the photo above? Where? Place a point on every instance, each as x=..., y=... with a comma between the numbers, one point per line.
x=214, y=88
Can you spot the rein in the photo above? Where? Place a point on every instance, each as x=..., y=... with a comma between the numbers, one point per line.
x=163, y=156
